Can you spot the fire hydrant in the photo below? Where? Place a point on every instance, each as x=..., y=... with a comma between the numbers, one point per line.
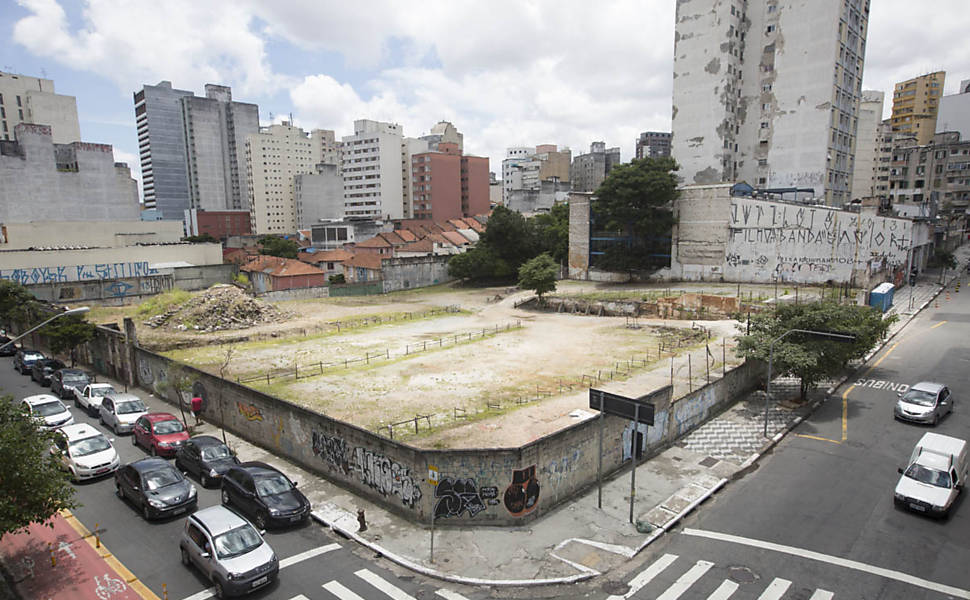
x=361, y=520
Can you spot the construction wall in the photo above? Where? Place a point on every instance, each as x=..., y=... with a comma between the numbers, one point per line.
x=413, y=272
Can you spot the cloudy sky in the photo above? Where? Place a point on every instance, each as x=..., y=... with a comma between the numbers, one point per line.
x=506, y=73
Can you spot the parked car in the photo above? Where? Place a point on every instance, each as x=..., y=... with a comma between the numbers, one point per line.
x=6, y=348
x=119, y=411
x=42, y=370
x=85, y=452
x=228, y=551
x=935, y=476
x=156, y=487
x=925, y=402
x=206, y=457
x=265, y=494
x=162, y=434
x=25, y=359
x=48, y=410
x=64, y=382
x=88, y=397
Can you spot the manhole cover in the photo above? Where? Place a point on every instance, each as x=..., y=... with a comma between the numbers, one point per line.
x=710, y=461
x=742, y=575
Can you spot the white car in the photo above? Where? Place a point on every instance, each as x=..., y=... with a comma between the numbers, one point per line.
x=89, y=398
x=48, y=410
x=119, y=411
x=85, y=452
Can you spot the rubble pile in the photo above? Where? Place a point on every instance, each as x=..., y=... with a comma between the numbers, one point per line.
x=219, y=308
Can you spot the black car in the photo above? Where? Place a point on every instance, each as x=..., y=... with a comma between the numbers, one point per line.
x=156, y=487
x=64, y=381
x=42, y=370
x=25, y=359
x=6, y=348
x=206, y=457
x=266, y=495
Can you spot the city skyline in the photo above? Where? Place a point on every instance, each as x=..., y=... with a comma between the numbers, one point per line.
x=533, y=76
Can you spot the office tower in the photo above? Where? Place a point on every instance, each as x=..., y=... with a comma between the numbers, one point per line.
x=589, y=170
x=161, y=144
x=373, y=170
x=26, y=99
x=653, y=144
x=768, y=92
x=915, y=105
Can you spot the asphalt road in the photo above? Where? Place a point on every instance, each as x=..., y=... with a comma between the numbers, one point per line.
x=815, y=518
x=315, y=563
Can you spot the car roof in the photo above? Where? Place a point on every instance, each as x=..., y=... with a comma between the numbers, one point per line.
x=928, y=386
x=41, y=399
x=155, y=417
x=29, y=351
x=217, y=519
x=206, y=440
x=149, y=464
x=79, y=431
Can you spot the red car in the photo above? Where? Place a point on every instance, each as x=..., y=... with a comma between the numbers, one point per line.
x=162, y=434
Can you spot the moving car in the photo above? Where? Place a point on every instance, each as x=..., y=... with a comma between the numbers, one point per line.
x=65, y=382
x=156, y=487
x=6, y=348
x=206, y=457
x=228, y=550
x=48, y=410
x=935, y=476
x=162, y=434
x=925, y=402
x=42, y=370
x=25, y=359
x=267, y=495
x=88, y=397
x=119, y=411
x=85, y=452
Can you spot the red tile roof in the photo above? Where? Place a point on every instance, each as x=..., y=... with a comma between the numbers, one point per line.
x=456, y=238
x=406, y=235
x=325, y=256
x=280, y=267
x=392, y=238
x=367, y=261
x=374, y=242
x=422, y=245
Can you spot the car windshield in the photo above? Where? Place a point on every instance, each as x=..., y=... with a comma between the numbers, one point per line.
x=161, y=478
x=101, y=391
x=920, y=397
x=53, y=365
x=215, y=452
x=73, y=378
x=90, y=445
x=930, y=476
x=272, y=484
x=237, y=541
x=132, y=406
x=166, y=427
x=49, y=408
x=32, y=356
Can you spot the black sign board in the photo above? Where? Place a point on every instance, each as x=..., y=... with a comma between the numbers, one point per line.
x=621, y=406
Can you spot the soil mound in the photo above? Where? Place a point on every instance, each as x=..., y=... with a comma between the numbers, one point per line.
x=219, y=308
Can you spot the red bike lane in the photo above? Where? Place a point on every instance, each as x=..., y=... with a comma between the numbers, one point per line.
x=62, y=562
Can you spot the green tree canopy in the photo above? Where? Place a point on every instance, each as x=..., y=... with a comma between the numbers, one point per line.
x=510, y=237
x=16, y=303
x=276, y=246
x=66, y=333
x=811, y=358
x=552, y=232
x=539, y=274
x=200, y=239
x=34, y=488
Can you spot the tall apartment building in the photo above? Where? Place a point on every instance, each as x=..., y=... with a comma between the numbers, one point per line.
x=525, y=169
x=768, y=92
x=26, y=99
x=883, y=159
x=318, y=196
x=589, y=170
x=936, y=172
x=373, y=170
x=954, y=112
x=916, y=103
x=867, y=145
x=193, y=149
x=449, y=185
x=653, y=144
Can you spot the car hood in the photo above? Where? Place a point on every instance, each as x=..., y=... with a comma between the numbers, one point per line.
x=221, y=465
x=915, y=409
x=171, y=494
x=57, y=419
x=129, y=418
x=258, y=556
x=285, y=502
x=98, y=458
x=932, y=494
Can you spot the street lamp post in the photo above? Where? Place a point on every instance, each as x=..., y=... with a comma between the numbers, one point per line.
x=842, y=337
x=71, y=311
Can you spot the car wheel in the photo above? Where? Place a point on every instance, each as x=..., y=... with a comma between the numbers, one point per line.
x=260, y=521
x=77, y=404
x=185, y=558
x=153, y=450
x=225, y=498
x=118, y=491
x=134, y=440
x=146, y=512
x=204, y=480
x=936, y=419
x=220, y=593
x=94, y=412
x=100, y=419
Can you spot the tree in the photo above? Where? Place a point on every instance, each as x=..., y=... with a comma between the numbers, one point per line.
x=16, y=303
x=34, y=487
x=552, y=232
x=510, y=237
x=178, y=381
x=276, y=246
x=205, y=238
x=539, y=274
x=337, y=279
x=479, y=263
x=811, y=358
x=67, y=333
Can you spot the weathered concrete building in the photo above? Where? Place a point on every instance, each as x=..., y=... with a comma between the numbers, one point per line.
x=916, y=103
x=26, y=99
x=318, y=196
x=653, y=144
x=867, y=149
x=525, y=169
x=589, y=170
x=938, y=171
x=954, y=114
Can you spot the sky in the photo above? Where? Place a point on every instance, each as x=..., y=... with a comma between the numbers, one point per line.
x=565, y=72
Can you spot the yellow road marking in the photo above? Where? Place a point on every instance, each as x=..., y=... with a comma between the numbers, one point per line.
x=815, y=437
x=938, y=324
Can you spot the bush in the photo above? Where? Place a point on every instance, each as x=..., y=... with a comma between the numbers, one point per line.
x=156, y=305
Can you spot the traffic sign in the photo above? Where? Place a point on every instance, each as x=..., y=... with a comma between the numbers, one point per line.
x=640, y=409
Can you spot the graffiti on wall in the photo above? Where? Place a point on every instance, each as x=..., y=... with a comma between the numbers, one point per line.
x=250, y=412
x=386, y=476
x=458, y=496
x=556, y=470
x=522, y=495
x=102, y=271
x=690, y=411
x=333, y=451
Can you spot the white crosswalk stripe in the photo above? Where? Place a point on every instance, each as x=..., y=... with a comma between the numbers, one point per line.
x=375, y=580
x=822, y=595
x=450, y=595
x=776, y=589
x=647, y=575
x=724, y=591
x=338, y=590
x=686, y=580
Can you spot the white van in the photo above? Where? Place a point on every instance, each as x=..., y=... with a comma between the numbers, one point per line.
x=936, y=473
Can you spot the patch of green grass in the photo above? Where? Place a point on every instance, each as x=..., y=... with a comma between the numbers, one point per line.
x=156, y=305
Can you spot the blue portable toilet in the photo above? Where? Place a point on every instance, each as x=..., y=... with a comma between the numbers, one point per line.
x=881, y=296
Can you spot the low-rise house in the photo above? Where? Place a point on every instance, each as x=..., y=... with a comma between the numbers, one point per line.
x=328, y=261
x=272, y=273
x=363, y=268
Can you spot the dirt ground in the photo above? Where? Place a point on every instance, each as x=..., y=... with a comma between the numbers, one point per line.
x=527, y=377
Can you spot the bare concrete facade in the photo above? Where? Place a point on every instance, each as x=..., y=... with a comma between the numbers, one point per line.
x=100, y=234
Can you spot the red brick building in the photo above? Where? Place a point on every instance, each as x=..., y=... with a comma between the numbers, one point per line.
x=220, y=224
x=447, y=185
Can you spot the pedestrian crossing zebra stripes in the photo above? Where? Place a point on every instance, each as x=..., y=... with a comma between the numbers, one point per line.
x=375, y=583
x=774, y=590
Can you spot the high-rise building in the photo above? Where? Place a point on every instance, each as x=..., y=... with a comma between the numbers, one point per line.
x=525, y=169
x=193, y=149
x=955, y=112
x=653, y=144
x=768, y=92
x=448, y=185
x=26, y=99
x=867, y=145
x=589, y=170
x=938, y=172
x=883, y=160
x=318, y=196
x=916, y=103
x=373, y=170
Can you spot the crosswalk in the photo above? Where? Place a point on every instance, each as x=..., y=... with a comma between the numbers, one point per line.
x=374, y=584
x=774, y=590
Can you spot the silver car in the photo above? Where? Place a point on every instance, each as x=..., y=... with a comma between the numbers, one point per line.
x=228, y=550
x=119, y=411
x=925, y=402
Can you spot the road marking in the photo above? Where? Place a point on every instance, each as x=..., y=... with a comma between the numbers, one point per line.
x=822, y=595
x=938, y=324
x=299, y=597
x=686, y=580
x=340, y=591
x=833, y=560
x=375, y=580
x=776, y=589
x=450, y=595
x=817, y=438
x=645, y=576
x=724, y=591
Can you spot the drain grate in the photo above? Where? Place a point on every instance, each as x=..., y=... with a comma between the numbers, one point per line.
x=710, y=461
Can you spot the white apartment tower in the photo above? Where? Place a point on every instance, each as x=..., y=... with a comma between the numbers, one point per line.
x=372, y=170
x=867, y=155
x=26, y=99
x=767, y=91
